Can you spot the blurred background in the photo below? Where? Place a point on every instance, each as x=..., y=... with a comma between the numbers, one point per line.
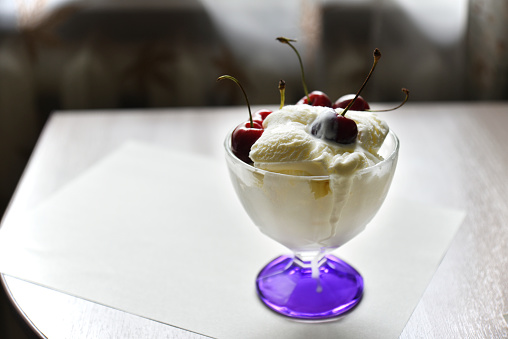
x=109, y=54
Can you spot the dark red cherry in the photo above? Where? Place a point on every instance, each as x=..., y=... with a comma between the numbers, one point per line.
x=347, y=130
x=334, y=127
x=243, y=137
x=247, y=133
x=261, y=115
x=317, y=98
x=359, y=105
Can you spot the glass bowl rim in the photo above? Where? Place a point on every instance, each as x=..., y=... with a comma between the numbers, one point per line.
x=389, y=158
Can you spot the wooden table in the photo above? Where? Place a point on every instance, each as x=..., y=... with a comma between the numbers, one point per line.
x=452, y=155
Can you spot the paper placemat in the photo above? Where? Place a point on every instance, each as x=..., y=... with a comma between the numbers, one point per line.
x=162, y=235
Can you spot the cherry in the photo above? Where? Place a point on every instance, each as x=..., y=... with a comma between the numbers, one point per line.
x=341, y=129
x=261, y=115
x=243, y=137
x=245, y=134
x=359, y=105
x=337, y=127
x=334, y=127
x=317, y=98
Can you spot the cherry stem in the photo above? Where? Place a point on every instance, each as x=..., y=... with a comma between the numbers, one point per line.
x=288, y=41
x=282, y=90
x=377, y=56
x=244, y=94
x=406, y=91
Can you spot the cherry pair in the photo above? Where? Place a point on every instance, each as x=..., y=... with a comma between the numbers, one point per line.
x=318, y=98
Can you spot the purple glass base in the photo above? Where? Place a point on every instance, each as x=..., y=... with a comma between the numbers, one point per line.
x=289, y=288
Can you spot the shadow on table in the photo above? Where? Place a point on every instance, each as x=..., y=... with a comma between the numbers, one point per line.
x=12, y=326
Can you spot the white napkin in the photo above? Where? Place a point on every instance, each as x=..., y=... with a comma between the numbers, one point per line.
x=162, y=235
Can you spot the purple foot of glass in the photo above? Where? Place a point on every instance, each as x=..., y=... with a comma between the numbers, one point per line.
x=290, y=289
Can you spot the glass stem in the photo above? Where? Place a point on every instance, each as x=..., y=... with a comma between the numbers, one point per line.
x=311, y=259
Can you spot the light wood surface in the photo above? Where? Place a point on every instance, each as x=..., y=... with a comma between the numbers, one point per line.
x=452, y=155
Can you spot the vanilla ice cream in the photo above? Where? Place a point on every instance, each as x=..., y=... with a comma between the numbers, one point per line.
x=310, y=194
x=287, y=145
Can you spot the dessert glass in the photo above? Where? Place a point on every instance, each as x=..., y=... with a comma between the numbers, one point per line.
x=301, y=213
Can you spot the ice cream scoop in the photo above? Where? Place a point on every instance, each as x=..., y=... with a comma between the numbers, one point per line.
x=289, y=144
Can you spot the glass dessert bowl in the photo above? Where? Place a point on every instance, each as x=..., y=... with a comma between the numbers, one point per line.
x=312, y=216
